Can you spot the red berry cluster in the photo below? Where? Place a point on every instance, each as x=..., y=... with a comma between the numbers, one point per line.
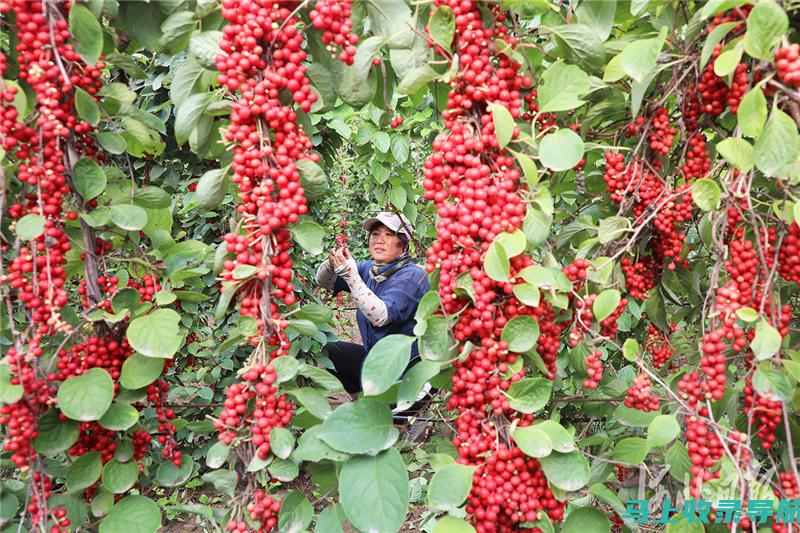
x=594, y=369
x=396, y=122
x=662, y=134
x=765, y=413
x=475, y=187
x=658, y=345
x=332, y=17
x=640, y=276
x=270, y=409
x=640, y=396
x=156, y=394
x=789, y=255
x=787, y=61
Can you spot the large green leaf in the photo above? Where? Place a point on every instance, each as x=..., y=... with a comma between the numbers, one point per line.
x=639, y=58
x=119, y=477
x=450, y=486
x=706, y=194
x=87, y=33
x=132, y=514
x=442, y=26
x=83, y=473
x=374, y=491
x=584, y=45
x=385, y=363
x=605, y=304
x=496, y=263
x=663, y=430
x=585, y=519
x=766, y=24
x=567, y=471
x=561, y=150
x=128, y=216
x=309, y=235
x=86, y=107
x=521, y=333
x=86, y=397
x=139, y=371
x=364, y=426
x=211, y=188
x=752, y=113
x=88, y=178
x=777, y=147
x=156, y=334
x=30, y=226
x=55, y=435
x=296, y=512
x=632, y=450
x=562, y=88
x=204, y=46
x=503, y=123
x=119, y=417
x=529, y=395
x=767, y=340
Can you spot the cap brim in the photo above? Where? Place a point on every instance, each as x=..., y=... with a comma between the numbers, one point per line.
x=370, y=223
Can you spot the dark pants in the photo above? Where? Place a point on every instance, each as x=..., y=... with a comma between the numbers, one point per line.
x=347, y=358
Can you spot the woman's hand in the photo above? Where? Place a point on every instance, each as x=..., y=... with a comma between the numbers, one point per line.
x=339, y=257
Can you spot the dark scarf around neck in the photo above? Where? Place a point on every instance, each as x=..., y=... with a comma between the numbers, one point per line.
x=381, y=272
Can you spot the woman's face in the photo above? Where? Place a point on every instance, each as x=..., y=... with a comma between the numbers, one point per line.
x=384, y=245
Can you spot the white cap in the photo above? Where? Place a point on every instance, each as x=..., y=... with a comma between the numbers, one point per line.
x=396, y=223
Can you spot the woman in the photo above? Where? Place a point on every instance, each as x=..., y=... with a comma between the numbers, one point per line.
x=386, y=290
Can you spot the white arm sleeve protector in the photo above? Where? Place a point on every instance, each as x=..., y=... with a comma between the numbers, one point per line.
x=326, y=277
x=367, y=301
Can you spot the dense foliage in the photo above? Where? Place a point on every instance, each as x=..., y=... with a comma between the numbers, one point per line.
x=606, y=196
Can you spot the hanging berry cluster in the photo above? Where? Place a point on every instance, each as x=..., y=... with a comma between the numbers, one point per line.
x=476, y=189
x=262, y=59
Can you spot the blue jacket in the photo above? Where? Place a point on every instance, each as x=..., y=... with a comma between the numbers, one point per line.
x=401, y=293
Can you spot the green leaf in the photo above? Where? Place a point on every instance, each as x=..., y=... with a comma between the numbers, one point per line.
x=313, y=400
x=308, y=235
x=663, y=430
x=211, y=188
x=561, y=150
x=86, y=397
x=128, y=216
x=156, y=334
x=132, y=514
x=204, y=46
x=680, y=524
x=312, y=178
x=714, y=38
x=87, y=108
x=413, y=381
x=766, y=342
x=442, y=26
x=727, y=61
x=417, y=78
x=631, y=451
x=88, y=178
x=329, y=521
x=169, y=475
x=503, y=123
x=120, y=477
x=533, y=441
x=605, y=304
x=630, y=350
x=451, y=524
x=55, y=435
x=186, y=77
x=30, y=226
x=521, y=333
x=567, y=471
x=612, y=228
x=281, y=442
x=87, y=33
x=747, y=314
x=598, y=15
x=385, y=363
x=639, y=58
x=311, y=448
x=450, y=486
x=528, y=168
x=778, y=145
x=401, y=148
x=585, y=46
x=119, y=417
x=766, y=24
x=706, y=194
x=773, y=384
x=752, y=113
x=152, y=197
x=738, y=153
x=224, y=480
x=176, y=30
x=585, y=519
x=296, y=513
x=188, y=114
x=529, y=395
x=111, y=142
x=373, y=491
x=562, y=88
x=217, y=455
x=677, y=458
x=496, y=263
x=139, y=371
x=364, y=426
x=83, y=473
